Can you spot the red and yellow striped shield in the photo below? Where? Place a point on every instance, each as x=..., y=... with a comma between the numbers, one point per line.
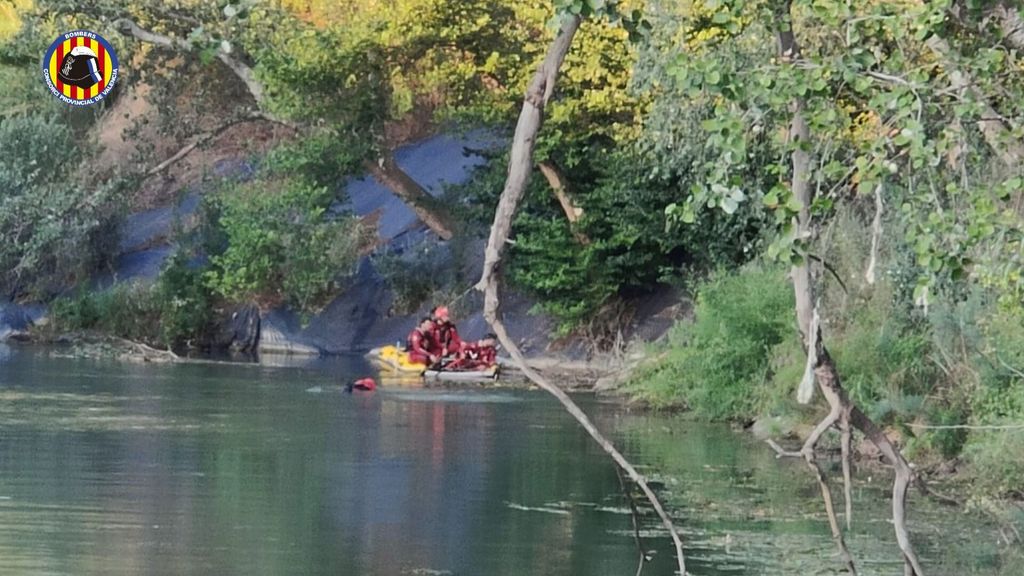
x=80, y=68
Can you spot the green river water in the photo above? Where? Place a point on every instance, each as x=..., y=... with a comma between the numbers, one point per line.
x=111, y=468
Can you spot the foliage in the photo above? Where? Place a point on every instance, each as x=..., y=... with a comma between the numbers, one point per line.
x=51, y=227
x=415, y=277
x=186, y=303
x=128, y=310
x=322, y=157
x=175, y=311
x=715, y=364
x=281, y=243
x=628, y=252
x=996, y=456
x=873, y=79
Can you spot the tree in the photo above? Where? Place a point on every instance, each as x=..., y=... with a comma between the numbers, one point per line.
x=531, y=118
x=50, y=228
x=872, y=102
x=358, y=79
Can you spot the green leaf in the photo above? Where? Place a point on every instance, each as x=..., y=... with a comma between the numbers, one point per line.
x=793, y=204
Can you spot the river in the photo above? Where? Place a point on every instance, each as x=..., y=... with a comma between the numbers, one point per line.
x=216, y=469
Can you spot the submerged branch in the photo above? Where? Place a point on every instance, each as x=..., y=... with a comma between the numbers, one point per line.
x=634, y=514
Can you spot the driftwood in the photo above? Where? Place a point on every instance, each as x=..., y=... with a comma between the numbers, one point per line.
x=560, y=188
x=521, y=164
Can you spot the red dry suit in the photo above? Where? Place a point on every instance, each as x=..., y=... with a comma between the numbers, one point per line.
x=446, y=338
x=420, y=346
x=474, y=357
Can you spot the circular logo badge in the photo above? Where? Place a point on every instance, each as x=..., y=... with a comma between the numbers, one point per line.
x=80, y=68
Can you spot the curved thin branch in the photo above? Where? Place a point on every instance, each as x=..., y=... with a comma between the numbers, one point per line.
x=520, y=166
x=807, y=451
x=243, y=71
x=831, y=271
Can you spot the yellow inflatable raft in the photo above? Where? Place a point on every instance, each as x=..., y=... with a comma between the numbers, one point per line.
x=395, y=367
x=391, y=358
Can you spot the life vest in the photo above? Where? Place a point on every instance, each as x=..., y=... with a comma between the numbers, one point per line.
x=419, y=341
x=447, y=338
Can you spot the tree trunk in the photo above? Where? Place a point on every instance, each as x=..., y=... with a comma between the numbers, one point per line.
x=559, y=187
x=426, y=207
x=520, y=166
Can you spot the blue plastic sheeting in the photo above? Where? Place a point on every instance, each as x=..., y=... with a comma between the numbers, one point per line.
x=145, y=228
x=440, y=160
x=17, y=318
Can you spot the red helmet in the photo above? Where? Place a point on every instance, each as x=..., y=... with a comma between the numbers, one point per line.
x=365, y=384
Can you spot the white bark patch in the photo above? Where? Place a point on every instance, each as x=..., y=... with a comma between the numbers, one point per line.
x=876, y=235
x=805, y=391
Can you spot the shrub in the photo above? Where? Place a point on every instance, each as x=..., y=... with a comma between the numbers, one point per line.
x=186, y=303
x=716, y=364
x=129, y=311
x=415, y=277
x=174, y=311
x=996, y=459
x=882, y=362
x=280, y=243
x=53, y=217
x=629, y=251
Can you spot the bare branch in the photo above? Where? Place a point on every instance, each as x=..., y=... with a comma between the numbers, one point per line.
x=559, y=187
x=520, y=167
x=242, y=70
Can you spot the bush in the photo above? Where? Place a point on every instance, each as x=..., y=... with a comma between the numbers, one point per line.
x=883, y=363
x=185, y=302
x=129, y=311
x=175, y=311
x=996, y=459
x=280, y=244
x=53, y=219
x=629, y=251
x=716, y=364
x=415, y=278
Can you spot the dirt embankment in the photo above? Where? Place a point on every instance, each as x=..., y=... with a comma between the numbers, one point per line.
x=137, y=133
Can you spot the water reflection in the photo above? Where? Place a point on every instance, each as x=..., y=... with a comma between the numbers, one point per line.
x=211, y=469
x=110, y=468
